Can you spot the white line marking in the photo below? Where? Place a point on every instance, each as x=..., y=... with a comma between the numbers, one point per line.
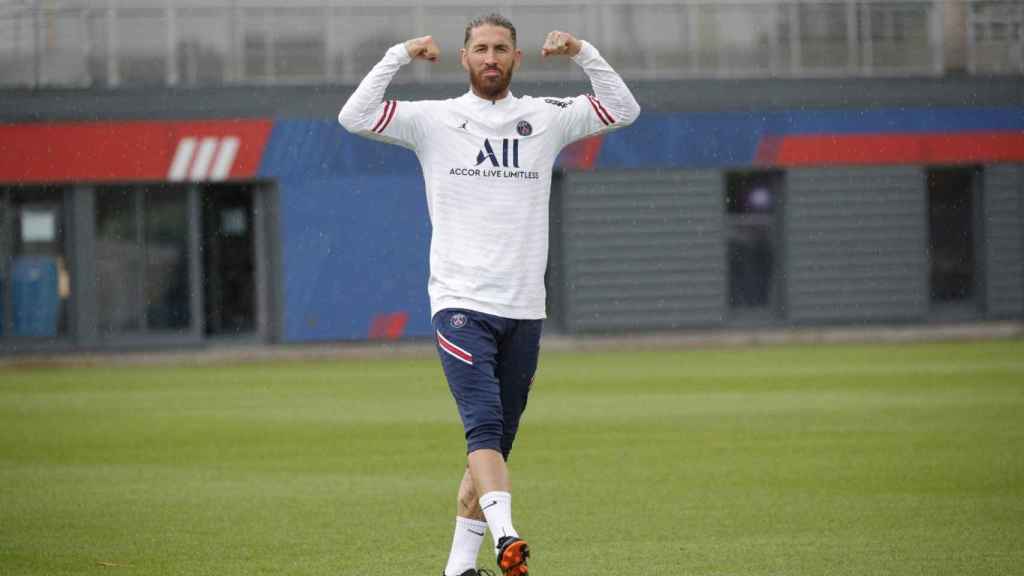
x=225, y=158
x=201, y=165
x=182, y=158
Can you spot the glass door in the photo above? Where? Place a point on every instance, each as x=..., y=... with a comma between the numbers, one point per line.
x=229, y=267
x=142, y=260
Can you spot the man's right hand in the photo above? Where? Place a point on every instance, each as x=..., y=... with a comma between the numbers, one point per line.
x=424, y=48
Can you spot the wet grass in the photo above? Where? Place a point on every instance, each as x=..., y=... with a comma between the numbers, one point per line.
x=840, y=459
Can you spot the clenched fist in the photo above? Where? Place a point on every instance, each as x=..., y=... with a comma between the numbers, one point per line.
x=558, y=43
x=424, y=48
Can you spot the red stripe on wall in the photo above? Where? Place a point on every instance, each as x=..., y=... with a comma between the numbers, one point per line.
x=768, y=150
x=117, y=151
x=835, y=149
x=388, y=326
x=581, y=155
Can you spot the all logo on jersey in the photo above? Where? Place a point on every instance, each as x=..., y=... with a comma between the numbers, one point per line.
x=487, y=153
x=499, y=159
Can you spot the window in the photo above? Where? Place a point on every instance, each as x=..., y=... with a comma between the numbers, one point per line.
x=285, y=43
x=951, y=235
x=166, y=249
x=142, y=265
x=751, y=201
x=996, y=41
x=229, y=265
x=118, y=261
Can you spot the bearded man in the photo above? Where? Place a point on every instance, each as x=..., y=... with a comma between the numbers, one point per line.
x=487, y=158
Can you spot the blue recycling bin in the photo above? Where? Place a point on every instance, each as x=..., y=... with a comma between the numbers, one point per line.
x=35, y=301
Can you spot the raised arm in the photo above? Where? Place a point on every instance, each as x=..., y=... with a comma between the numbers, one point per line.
x=612, y=105
x=365, y=113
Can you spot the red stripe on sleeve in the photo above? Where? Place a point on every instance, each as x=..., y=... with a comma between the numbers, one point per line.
x=599, y=110
x=383, y=115
x=605, y=110
x=391, y=114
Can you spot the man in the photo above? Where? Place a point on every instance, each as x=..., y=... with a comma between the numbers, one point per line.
x=487, y=158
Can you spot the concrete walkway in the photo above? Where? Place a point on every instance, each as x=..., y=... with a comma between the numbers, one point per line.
x=228, y=353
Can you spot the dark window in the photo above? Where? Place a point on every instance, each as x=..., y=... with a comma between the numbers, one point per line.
x=951, y=209
x=229, y=266
x=751, y=200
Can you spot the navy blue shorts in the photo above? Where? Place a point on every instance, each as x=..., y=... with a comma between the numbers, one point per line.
x=489, y=362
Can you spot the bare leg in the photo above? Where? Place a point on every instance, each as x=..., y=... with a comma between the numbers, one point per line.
x=489, y=474
x=470, y=529
x=488, y=471
x=468, y=505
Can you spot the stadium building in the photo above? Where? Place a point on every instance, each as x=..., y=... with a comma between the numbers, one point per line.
x=172, y=172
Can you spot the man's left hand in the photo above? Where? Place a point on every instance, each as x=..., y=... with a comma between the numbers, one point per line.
x=558, y=43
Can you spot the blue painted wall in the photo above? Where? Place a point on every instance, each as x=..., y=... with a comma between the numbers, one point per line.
x=728, y=139
x=354, y=222
x=354, y=229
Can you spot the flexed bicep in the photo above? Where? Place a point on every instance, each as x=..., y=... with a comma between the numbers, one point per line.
x=392, y=121
x=611, y=106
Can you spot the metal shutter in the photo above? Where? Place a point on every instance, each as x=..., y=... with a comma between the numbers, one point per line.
x=642, y=250
x=1004, y=240
x=856, y=244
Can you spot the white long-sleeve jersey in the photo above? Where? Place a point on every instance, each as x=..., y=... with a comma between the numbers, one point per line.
x=487, y=169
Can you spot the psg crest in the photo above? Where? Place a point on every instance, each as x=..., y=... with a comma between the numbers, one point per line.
x=524, y=128
x=458, y=320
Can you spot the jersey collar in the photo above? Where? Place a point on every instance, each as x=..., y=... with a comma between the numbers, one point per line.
x=482, y=102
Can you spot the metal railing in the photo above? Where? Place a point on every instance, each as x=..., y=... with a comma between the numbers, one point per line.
x=113, y=43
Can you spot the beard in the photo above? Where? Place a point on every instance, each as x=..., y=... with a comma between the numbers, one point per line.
x=490, y=87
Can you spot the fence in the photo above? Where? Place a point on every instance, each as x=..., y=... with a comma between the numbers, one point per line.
x=113, y=43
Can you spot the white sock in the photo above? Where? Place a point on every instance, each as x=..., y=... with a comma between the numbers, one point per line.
x=497, y=507
x=469, y=535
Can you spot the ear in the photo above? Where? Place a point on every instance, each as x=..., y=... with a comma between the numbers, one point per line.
x=518, y=60
x=462, y=58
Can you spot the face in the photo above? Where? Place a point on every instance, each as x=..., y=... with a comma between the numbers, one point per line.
x=490, y=58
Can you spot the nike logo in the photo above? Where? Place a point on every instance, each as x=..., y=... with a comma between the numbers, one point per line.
x=474, y=532
x=493, y=502
x=464, y=125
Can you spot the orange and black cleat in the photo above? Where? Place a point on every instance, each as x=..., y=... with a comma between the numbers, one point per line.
x=512, y=556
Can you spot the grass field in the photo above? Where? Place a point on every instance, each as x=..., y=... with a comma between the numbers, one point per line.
x=838, y=459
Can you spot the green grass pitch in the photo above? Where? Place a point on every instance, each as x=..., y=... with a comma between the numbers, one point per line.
x=852, y=460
